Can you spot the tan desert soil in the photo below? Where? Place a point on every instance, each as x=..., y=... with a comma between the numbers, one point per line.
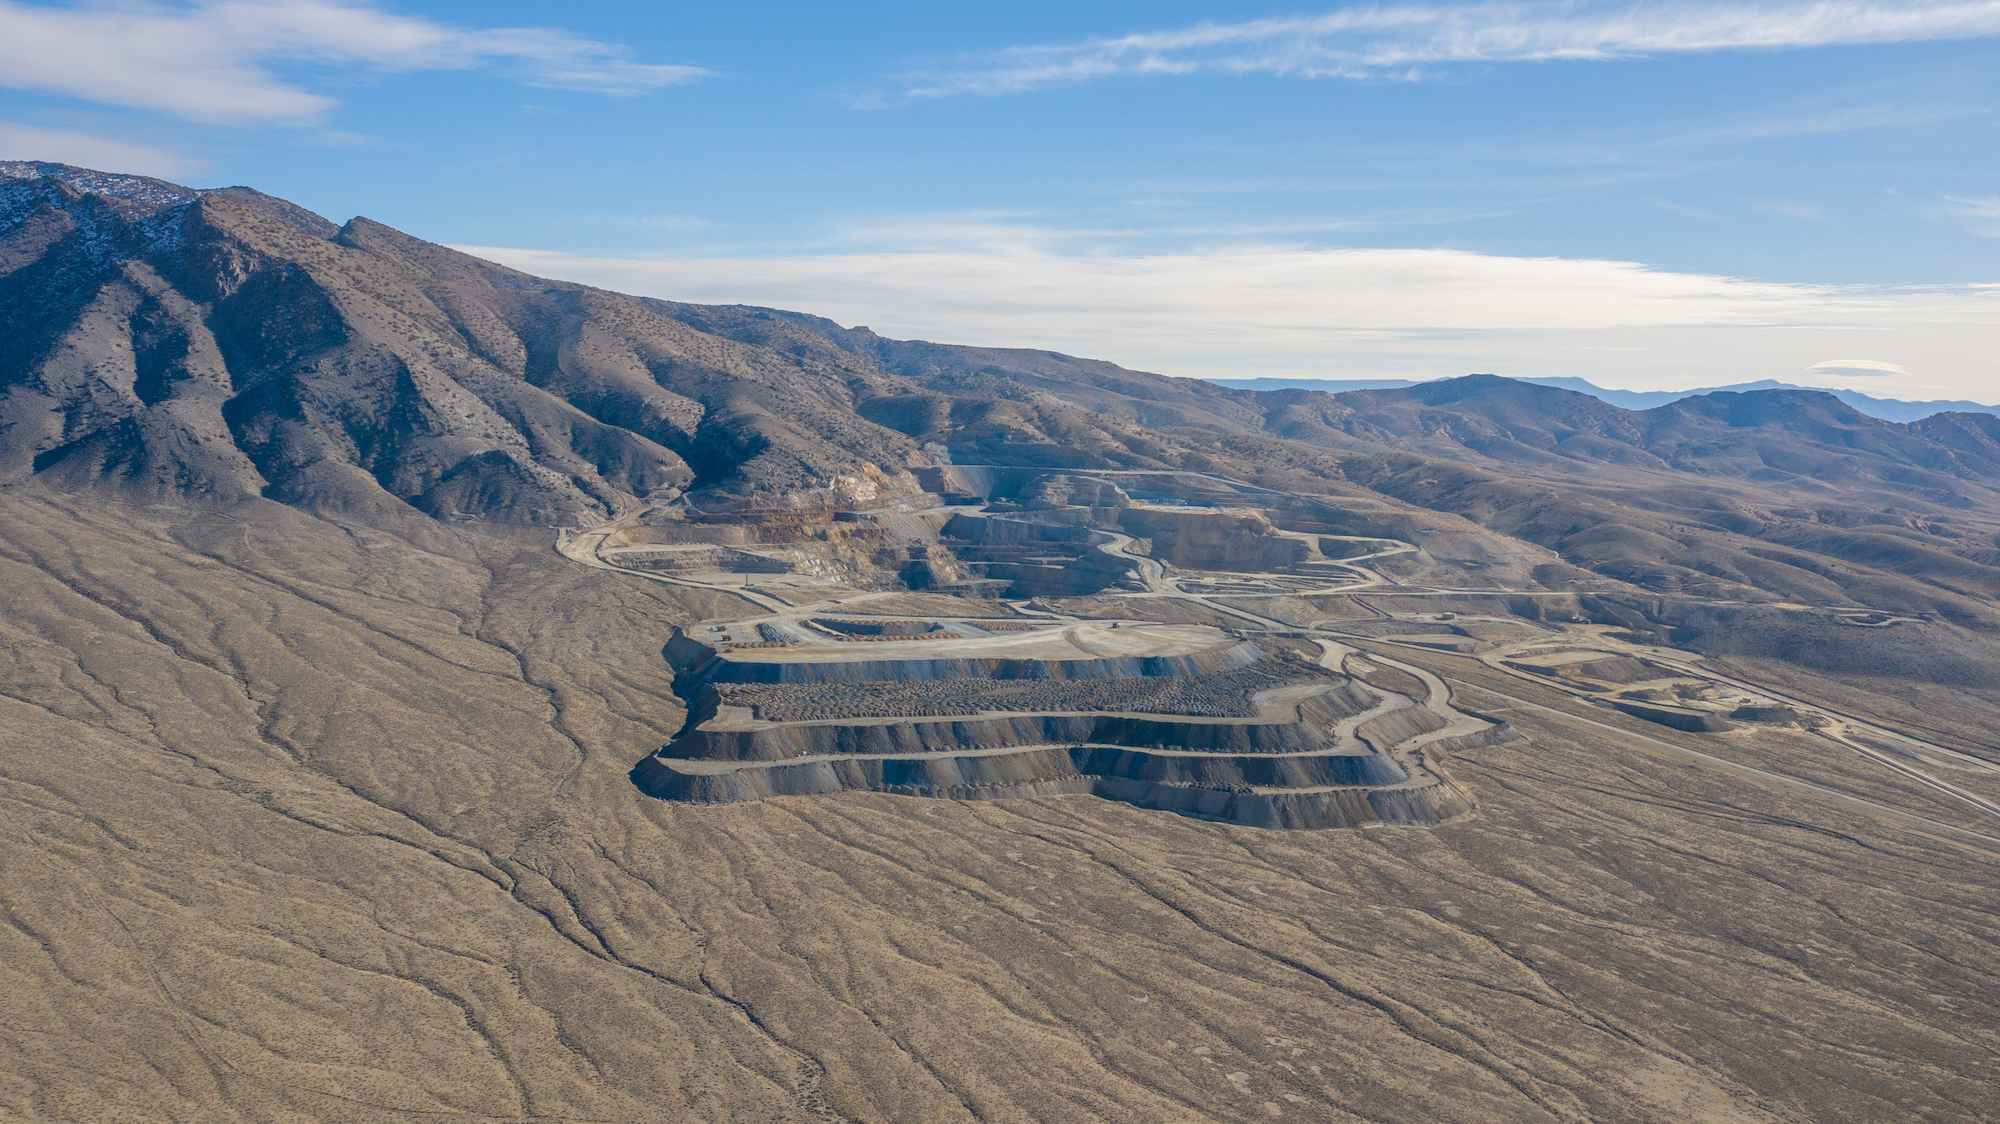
x=1388, y=678
x=922, y=604
x=308, y=822
x=328, y=817
x=1171, y=611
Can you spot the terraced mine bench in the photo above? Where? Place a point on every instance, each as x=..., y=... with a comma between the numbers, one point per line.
x=1085, y=708
x=870, y=631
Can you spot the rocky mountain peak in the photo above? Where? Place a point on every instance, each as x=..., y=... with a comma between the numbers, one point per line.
x=114, y=185
x=228, y=343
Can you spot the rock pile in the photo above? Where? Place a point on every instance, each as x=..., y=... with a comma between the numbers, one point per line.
x=877, y=631
x=877, y=628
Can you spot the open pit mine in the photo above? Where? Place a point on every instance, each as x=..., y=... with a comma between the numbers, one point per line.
x=905, y=731
x=1174, y=640
x=1091, y=649
x=1187, y=718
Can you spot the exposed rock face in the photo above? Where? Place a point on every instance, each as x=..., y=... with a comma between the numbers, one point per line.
x=699, y=661
x=172, y=341
x=230, y=344
x=1397, y=726
x=1679, y=717
x=1223, y=540
x=1349, y=808
x=1302, y=760
x=1773, y=715
x=1074, y=491
x=1221, y=694
x=323, y=811
x=1310, y=729
x=1036, y=559
x=1208, y=788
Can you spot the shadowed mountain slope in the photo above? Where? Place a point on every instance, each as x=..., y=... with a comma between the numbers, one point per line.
x=229, y=343
x=315, y=757
x=1768, y=434
x=1772, y=435
x=1769, y=495
x=1781, y=495
x=169, y=342
x=1888, y=409
x=1155, y=401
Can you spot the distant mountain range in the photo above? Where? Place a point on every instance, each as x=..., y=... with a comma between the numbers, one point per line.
x=221, y=346
x=1888, y=409
x=314, y=747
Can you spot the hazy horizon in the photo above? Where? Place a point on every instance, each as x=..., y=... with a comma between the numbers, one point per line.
x=1677, y=196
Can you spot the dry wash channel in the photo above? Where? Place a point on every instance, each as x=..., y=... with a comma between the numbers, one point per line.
x=1184, y=718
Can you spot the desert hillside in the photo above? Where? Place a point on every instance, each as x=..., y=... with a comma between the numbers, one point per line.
x=432, y=691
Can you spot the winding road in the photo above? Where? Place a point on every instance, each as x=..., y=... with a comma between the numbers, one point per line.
x=589, y=547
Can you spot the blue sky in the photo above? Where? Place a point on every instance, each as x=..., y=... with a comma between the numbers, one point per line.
x=1665, y=195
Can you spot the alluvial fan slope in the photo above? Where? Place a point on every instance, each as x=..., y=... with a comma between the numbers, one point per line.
x=317, y=735
x=240, y=888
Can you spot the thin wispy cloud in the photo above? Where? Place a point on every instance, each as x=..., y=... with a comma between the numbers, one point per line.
x=1257, y=289
x=1983, y=215
x=1864, y=368
x=1397, y=40
x=639, y=222
x=1018, y=233
x=1681, y=209
x=214, y=62
x=1778, y=125
x=1805, y=212
x=74, y=146
x=1293, y=312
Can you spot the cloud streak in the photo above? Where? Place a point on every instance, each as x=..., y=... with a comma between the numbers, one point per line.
x=212, y=62
x=1292, y=312
x=71, y=146
x=1871, y=368
x=1399, y=39
x=1982, y=215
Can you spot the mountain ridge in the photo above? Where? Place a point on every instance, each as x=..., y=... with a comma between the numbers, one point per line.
x=1888, y=409
x=318, y=735
x=222, y=344
x=586, y=401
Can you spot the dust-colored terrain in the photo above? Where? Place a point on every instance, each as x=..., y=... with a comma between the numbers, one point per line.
x=243, y=889
x=347, y=579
